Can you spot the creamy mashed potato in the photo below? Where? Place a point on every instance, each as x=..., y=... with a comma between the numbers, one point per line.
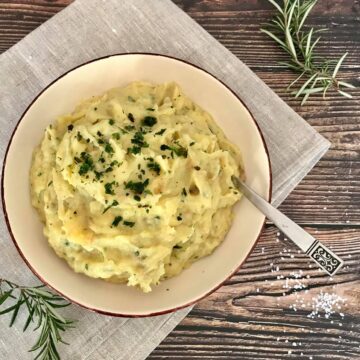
x=135, y=185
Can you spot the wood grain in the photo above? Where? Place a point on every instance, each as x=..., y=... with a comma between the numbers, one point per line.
x=252, y=316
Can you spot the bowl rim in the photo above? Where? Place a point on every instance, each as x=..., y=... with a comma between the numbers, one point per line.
x=108, y=313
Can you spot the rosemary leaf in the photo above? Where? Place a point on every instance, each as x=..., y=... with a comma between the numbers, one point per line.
x=289, y=31
x=41, y=306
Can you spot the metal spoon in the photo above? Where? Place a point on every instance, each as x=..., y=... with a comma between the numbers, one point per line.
x=318, y=252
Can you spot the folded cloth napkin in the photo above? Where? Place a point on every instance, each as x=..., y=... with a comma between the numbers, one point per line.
x=88, y=29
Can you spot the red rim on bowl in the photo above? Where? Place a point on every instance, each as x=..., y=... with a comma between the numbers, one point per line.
x=66, y=296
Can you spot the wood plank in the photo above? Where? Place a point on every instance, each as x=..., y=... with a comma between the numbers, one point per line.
x=253, y=315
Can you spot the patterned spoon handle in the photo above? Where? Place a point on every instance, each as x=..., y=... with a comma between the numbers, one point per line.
x=321, y=254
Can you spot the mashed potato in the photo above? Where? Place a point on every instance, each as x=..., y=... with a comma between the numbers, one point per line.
x=135, y=185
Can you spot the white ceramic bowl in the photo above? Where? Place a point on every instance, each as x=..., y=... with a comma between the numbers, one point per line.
x=93, y=78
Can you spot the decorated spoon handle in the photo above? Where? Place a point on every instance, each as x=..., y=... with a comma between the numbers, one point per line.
x=321, y=254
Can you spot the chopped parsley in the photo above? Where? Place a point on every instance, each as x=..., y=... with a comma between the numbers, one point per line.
x=177, y=247
x=116, y=136
x=137, y=197
x=179, y=218
x=116, y=221
x=78, y=136
x=137, y=187
x=197, y=167
x=111, y=121
x=101, y=159
x=149, y=121
x=98, y=174
x=129, y=127
x=99, y=133
x=131, y=117
x=183, y=192
x=137, y=253
x=130, y=98
x=114, y=203
x=70, y=127
x=154, y=166
x=192, y=143
x=129, y=223
x=178, y=150
x=109, y=149
x=87, y=165
x=160, y=132
x=49, y=184
x=108, y=188
x=150, y=109
x=134, y=150
x=139, y=142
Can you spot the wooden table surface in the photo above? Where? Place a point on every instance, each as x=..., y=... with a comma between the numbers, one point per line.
x=266, y=311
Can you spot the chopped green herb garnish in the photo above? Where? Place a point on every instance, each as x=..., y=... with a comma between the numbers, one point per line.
x=197, y=167
x=179, y=218
x=160, y=132
x=131, y=117
x=99, y=133
x=150, y=109
x=137, y=253
x=109, y=169
x=98, y=174
x=137, y=197
x=129, y=223
x=130, y=98
x=149, y=121
x=111, y=121
x=138, y=139
x=129, y=127
x=137, y=187
x=87, y=164
x=101, y=141
x=178, y=150
x=86, y=266
x=101, y=159
x=177, y=247
x=49, y=184
x=70, y=127
x=109, y=149
x=134, y=149
x=116, y=221
x=192, y=143
x=108, y=188
x=116, y=136
x=114, y=162
x=147, y=191
x=114, y=203
x=39, y=174
x=77, y=160
x=154, y=166
x=184, y=192
x=78, y=136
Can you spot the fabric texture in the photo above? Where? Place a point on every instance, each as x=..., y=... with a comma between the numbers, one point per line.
x=88, y=29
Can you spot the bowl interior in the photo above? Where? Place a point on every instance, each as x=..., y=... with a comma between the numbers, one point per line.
x=93, y=79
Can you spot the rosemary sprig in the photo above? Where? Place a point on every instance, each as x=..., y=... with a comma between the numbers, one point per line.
x=287, y=29
x=41, y=306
